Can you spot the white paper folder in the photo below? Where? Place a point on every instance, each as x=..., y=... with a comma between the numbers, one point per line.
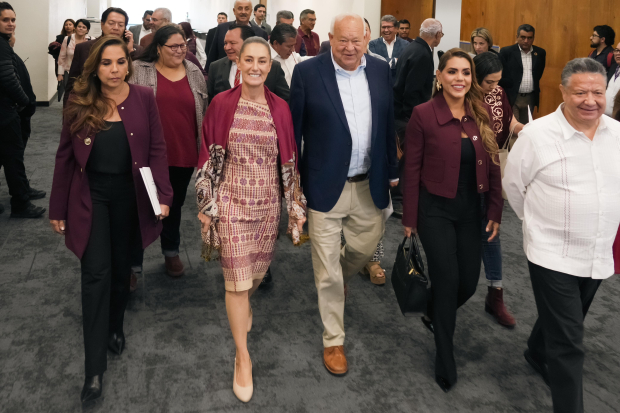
x=149, y=183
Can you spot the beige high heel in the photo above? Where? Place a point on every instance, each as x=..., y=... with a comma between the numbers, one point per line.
x=250, y=320
x=243, y=393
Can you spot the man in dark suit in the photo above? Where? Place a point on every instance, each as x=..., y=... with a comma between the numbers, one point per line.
x=141, y=30
x=524, y=65
x=221, y=18
x=389, y=45
x=113, y=23
x=223, y=73
x=343, y=108
x=413, y=85
x=243, y=11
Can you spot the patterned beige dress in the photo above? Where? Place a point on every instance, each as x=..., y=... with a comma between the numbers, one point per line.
x=249, y=197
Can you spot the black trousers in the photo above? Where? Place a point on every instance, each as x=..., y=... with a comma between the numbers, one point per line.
x=562, y=301
x=170, y=237
x=12, y=159
x=450, y=233
x=106, y=264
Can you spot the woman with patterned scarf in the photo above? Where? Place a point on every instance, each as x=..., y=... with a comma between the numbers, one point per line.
x=248, y=159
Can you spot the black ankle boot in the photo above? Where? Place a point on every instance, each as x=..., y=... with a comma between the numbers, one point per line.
x=93, y=386
x=116, y=343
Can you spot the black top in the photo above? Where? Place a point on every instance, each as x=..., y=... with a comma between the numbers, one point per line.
x=111, y=153
x=467, y=173
x=603, y=57
x=12, y=95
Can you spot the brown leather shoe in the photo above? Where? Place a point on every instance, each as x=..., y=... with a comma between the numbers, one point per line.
x=335, y=361
x=133, y=282
x=174, y=266
x=494, y=305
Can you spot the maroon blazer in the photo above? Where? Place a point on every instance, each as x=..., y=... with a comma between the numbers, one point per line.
x=80, y=55
x=70, y=198
x=433, y=159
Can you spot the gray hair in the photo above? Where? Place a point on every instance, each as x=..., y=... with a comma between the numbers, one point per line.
x=430, y=28
x=582, y=65
x=166, y=13
x=305, y=14
x=284, y=14
x=390, y=19
x=255, y=39
x=241, y=1
x=343, y=16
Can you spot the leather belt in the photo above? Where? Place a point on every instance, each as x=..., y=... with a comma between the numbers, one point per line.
x=357, y=178
x=525, y=94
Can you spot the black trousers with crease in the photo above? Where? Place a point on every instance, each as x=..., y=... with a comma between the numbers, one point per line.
x=106, y=264
x=556, y=340
x=450, y=233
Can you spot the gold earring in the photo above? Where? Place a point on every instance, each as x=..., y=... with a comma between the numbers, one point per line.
x=438, y=85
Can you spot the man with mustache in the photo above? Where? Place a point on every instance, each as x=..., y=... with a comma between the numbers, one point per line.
x=242, y=10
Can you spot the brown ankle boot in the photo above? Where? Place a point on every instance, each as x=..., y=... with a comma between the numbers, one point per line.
x=174, y=266
x=494, y=305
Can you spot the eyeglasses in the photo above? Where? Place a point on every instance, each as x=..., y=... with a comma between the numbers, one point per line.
x=175, y=47
x=616, y=51
x=595, y=35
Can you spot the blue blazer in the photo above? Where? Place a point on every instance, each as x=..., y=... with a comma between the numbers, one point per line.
x=319, y=117
x=378, y=46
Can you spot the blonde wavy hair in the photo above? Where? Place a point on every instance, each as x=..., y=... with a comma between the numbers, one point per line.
x=87, y=106
x=475, y=99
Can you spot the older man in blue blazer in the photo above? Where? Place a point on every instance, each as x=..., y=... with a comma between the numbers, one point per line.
x=342, y=106
x=389, y=45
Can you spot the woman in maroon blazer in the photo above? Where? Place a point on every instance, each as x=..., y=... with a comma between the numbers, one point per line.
x=451, y=157
x=98, y=200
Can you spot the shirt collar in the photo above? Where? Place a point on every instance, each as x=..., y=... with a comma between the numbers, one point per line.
x=385, y=41
x=567, y=129
x=274, y=54
x=339, y=69
x=531, y=48
x=442, y=110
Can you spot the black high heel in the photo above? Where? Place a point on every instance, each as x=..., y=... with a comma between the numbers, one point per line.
x=443, y=384
x=93, y=387
x=116, y=343
x=428, y=324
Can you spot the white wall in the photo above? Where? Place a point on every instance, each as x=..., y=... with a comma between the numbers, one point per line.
x=326, y=10
x=36, y=28
x=448, y=12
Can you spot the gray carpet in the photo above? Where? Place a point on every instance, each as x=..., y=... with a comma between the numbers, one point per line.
x=179, y=355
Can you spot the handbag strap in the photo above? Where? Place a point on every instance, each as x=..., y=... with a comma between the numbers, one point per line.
x=506, y=144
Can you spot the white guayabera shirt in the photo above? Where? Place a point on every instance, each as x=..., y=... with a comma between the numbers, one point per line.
x=566, y=189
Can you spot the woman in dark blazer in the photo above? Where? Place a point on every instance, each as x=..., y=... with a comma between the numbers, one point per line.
x=451, y=158
x=111, y=130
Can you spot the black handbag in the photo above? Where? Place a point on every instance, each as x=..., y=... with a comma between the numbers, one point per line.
x=409, y=279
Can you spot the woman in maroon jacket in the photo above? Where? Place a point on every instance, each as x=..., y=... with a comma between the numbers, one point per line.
x=451, y=155
x=111, y=130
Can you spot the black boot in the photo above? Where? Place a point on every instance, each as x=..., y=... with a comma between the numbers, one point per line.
x=93, y=386
x=116, y=343
x=443, y=384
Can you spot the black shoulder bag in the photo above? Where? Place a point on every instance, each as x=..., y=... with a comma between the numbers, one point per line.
x=409, y=279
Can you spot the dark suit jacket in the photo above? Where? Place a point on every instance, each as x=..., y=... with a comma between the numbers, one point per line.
x=513, y=70
x=209, y=41
x=219, y=73
x=378, y=46
x=414, y=79
x=326, y=47
x=319, y=116
x=612, y=70
x=80, y=56
x=433, y=154
x=70, y=199
x=28, y=111
x=216, y=52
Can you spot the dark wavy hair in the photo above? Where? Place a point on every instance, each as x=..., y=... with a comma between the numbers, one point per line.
x=608, y=33
x=474, y=98
x=487, y=63
x=151, y=54
x=87, y=106
x=84, y=22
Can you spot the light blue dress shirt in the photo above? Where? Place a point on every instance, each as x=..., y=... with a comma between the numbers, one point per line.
x=355, y=96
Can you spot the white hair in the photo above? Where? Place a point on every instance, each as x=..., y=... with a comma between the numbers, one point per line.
x=241, y=1
x=430, y=28
x=166, y=13
x=343, y=16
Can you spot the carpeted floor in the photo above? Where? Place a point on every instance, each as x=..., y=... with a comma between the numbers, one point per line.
x=179, y=355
